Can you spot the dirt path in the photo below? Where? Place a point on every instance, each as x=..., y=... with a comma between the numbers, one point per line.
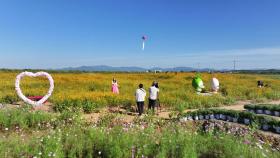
x=129, y=117
x=239, y=106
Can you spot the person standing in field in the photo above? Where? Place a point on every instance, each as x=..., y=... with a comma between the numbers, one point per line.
x=158, y=101
x=154, y=91
x=140, y=95
x=115, y=86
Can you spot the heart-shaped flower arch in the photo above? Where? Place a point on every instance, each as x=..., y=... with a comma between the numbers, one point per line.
x=30, y=74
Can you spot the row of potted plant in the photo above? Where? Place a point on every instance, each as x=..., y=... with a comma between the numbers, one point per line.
x=268, y=109
x=265, y=123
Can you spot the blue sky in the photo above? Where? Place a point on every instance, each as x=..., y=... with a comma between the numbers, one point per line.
x=204, y=33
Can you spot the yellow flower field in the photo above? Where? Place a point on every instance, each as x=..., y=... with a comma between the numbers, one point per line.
x=175, y=88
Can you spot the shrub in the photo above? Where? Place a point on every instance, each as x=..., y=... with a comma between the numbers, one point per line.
x=271, y=107
x=255, y=119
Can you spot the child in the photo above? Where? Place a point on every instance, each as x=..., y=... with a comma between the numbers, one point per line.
x=140, y=95
x=115, y=86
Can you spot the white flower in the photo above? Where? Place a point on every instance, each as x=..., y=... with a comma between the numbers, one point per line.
x=40, y=153
x=6, y=129
x=99, y=152
x=259, y=145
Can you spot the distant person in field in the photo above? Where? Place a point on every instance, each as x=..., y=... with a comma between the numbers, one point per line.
x=140, y=95
x=260, y=84
x=157, y=102
x=154, y=91
x=115, y=86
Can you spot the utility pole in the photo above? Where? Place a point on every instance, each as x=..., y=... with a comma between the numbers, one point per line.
x=234, y=64
x=198, y=66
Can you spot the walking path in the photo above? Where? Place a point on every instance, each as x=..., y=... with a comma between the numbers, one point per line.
x=239, y=105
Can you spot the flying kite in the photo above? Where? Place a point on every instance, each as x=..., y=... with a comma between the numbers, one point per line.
x=144, y=38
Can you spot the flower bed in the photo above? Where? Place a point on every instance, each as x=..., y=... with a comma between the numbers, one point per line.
x=264, y=122
x=267, y=109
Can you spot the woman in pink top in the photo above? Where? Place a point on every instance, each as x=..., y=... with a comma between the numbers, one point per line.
x=115, y=86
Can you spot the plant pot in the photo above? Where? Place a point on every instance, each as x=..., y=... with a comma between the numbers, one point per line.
x=207, y=117
x=212, y=116
x=277, y=129
x=223, y=117
x=251, y=110
x=276, y=113
x=201, y=117
x=246, y=121
x=259, y=111
x=235, y=119
x=265, y=127
x=217, y=116
x=229, y=118
x=184, y=119
x=189, y=118
x=267, y=112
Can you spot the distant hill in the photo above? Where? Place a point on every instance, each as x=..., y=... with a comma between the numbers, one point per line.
x=129, y=69
x=104, y=68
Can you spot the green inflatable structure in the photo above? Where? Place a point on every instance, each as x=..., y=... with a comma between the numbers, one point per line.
x=197, y=84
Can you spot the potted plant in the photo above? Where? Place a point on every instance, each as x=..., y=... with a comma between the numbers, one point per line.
x=266, y=109
x=195, y=115
x=211, y=114
x=200, y=114
x=230, y=115
x=185, y=117
x=250, y=107
x=235, y=116
x=246, y=117
x=259, y=109
x=266, y=123
x=276, y=110
x=222, y=115
x=276, y=125
x=189, y=116
x=205, y=114
x=217, y=114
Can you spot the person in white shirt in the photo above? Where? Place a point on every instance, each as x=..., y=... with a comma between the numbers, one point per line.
x=140, y=95
x=153, y=96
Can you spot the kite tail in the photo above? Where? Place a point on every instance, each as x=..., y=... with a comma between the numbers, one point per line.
x=143, y=46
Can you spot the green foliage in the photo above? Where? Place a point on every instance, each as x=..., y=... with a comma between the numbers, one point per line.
x=173, y=141
x=241, y=115
x=24, y=118
x=76, y=105
x=271, y=107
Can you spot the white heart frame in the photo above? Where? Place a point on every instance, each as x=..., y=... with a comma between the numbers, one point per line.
x=31, y=74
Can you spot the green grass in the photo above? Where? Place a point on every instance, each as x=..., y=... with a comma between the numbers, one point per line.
x=172, y=141
x=148, y=137
x=24, y=118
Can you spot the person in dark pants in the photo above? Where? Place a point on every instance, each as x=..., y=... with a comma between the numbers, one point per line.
x=140, y=95
x=153, y=90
